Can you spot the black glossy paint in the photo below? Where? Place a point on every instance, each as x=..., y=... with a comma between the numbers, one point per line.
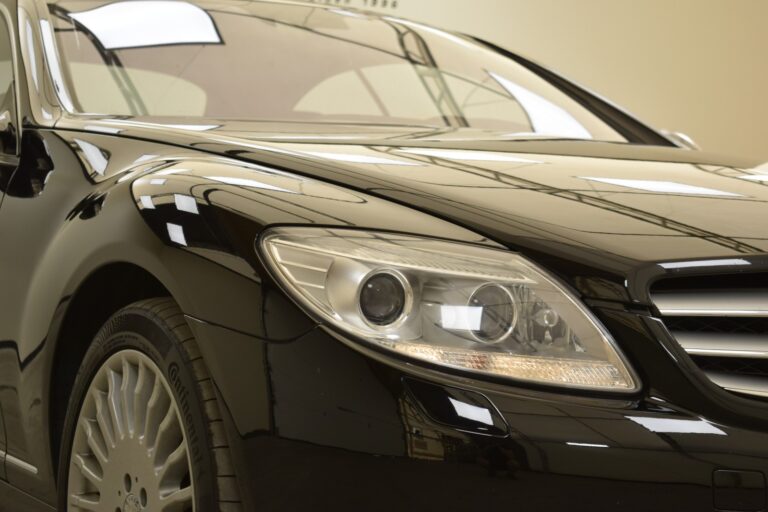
x=317, y=421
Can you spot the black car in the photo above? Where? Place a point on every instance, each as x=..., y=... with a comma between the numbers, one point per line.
x=275, y=256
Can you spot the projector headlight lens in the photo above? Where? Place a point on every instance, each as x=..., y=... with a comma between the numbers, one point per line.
x=466, y=307
x=499, y=313
x=383, y=297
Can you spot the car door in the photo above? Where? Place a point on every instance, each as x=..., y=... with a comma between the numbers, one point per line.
x=9, y=158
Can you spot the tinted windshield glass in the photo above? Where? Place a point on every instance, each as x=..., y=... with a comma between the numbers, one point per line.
x=299, y=63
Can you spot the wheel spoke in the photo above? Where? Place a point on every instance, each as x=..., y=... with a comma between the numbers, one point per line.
x=168, y=435
x=127, y=396
x=95, y=440
x=142, y=394
x=156, y=410
x=115, y=408
x=176, y=500
x=85, y=501
x=102, y=417
x=175, y=466
x=87, y=469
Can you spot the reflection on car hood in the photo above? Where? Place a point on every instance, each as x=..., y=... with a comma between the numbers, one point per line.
x=623, y=204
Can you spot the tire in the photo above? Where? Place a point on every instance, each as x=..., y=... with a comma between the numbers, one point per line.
x=144, y=365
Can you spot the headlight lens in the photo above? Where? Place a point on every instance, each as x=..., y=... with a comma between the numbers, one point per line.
x=383, y=297
x=467, y=307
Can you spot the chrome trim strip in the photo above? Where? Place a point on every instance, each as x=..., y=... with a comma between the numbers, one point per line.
x=741, y=313
x=10, y=459
x=739, y=304
x=757, y=386
x=751, y=346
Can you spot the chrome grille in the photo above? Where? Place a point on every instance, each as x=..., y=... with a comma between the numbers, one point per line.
x=722, y=324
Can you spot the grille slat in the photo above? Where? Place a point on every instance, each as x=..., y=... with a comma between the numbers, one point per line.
x=716, y=344
x=724, y=329
x=745, y=384
x=752, y=303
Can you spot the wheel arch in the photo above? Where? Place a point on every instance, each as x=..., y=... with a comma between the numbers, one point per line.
x=106, y=290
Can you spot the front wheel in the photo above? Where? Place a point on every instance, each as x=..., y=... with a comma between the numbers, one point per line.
x=141, y=430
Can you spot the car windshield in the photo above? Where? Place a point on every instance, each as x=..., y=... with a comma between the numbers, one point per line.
x=300, y=63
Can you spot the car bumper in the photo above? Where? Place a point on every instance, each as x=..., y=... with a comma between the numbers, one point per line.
x=317, y=424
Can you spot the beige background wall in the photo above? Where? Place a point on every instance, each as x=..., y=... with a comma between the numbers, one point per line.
x=698, y=66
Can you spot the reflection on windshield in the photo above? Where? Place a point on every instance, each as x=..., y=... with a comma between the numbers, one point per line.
x=293, y=63
x=152, y=23
x=546, y=117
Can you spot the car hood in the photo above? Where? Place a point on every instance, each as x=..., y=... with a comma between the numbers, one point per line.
x=607, y=205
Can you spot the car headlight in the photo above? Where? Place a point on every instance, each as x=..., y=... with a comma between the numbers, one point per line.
x=456, y=305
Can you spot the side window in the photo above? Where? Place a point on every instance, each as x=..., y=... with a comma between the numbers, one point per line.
x=7, y=97
x=6, y=61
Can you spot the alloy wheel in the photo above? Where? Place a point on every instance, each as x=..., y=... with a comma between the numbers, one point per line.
x=130, y=451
